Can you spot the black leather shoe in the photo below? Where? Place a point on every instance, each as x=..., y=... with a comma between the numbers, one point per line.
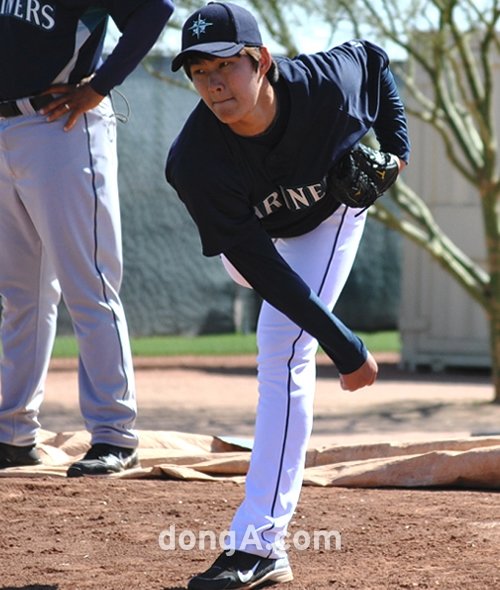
x=11, y=456
x=103, y=459
x=242, y=570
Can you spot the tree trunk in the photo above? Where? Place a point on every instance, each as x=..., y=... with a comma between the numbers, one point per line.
x=494, y=257
x=490, y=198
x=495, y=350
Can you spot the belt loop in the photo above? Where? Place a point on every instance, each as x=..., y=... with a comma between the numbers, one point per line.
x=25, y=106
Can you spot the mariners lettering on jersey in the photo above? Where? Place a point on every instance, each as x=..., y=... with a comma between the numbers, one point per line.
x=294, y=199
x=31, y=11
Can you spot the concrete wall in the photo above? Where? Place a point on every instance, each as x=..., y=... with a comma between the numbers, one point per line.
x=440, y=324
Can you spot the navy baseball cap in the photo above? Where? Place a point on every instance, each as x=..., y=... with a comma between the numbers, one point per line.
x=220, y=29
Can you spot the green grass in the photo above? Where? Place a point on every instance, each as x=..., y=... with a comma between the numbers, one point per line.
x=214, y=344
x=382, y=341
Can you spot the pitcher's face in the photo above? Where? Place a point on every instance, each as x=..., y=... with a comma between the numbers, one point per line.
x=233, y=89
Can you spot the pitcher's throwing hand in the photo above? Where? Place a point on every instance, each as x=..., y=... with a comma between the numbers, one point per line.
x=365, y=375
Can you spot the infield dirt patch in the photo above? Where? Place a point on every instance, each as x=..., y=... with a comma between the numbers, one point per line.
x=60, y=534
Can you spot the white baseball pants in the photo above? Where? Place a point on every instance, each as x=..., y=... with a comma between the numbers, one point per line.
x=60, y=232
x=323, y=258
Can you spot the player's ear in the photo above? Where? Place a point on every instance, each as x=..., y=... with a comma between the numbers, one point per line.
x=265, y=60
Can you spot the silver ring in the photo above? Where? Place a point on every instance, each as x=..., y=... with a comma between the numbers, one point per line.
x=66, y=106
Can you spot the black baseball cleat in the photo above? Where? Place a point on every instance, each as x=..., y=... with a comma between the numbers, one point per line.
x=11, y=456
x=242, y=570
x=103, y=459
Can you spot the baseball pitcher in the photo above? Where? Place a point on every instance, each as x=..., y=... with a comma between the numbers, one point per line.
x=263, y=166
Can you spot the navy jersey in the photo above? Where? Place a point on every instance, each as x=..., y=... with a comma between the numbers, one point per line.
x=244, y=191
x=60, y=41
x=335, y=98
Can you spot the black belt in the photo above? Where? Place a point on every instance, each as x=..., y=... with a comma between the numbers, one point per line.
x=9, y=108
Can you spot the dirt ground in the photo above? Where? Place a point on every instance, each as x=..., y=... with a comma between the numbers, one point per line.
x=60, y=534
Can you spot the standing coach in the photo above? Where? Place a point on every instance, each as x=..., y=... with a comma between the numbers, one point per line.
x=60, y=219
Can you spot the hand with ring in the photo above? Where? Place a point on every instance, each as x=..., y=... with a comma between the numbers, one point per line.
x=83, y=98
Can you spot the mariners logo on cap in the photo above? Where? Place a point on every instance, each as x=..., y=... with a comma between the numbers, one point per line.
x=199, y=26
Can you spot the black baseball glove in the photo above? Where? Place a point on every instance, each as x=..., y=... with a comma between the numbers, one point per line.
x=362, y=176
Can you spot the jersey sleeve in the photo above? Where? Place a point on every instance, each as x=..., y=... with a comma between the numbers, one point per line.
x=390, y=126
x=385, y=104
x=263, y=267
x=222, y=220
x=366, y=91
x=141, y=23
x=210, y=184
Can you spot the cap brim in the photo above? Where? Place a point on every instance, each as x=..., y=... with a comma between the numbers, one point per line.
x=216, y=49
